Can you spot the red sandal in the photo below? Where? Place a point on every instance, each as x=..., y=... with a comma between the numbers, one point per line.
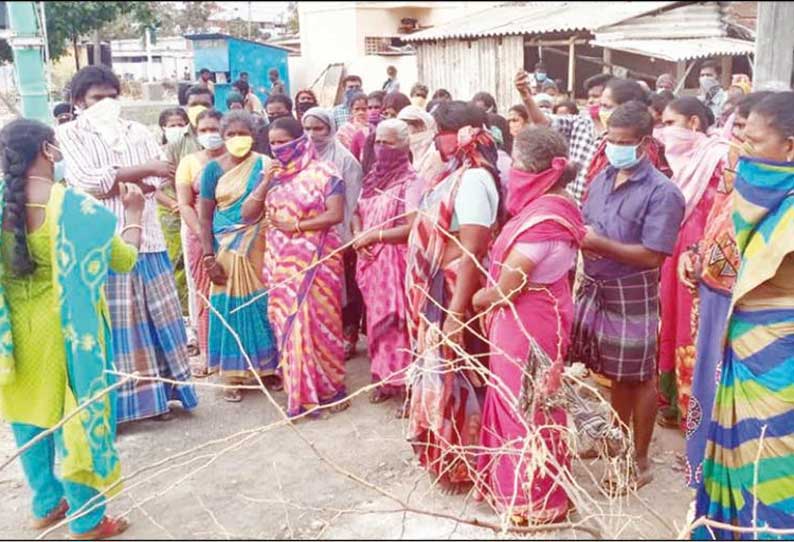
x=57, y=514
x=107, y=528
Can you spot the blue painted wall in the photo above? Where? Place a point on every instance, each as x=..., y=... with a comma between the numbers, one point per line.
x=235, y=56
x=221, y=91
x=215, y=59
x=257, y=59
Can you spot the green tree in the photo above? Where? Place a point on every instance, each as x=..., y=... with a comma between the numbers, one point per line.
x=195, y=17
x=239, y=28
x=293, y=26
x=158, y=15
x=67, y=22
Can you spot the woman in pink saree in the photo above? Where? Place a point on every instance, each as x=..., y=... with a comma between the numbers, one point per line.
x=188, y=185
x=697, y=161
x=530, y=263
x=303, y=200
x=390, y=192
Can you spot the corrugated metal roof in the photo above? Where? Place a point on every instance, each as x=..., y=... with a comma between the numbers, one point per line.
x=538, y=18
x=681, y=49
x=687, y=21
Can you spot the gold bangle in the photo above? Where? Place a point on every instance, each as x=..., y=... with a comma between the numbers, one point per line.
x=380, y=236
x=298, y=227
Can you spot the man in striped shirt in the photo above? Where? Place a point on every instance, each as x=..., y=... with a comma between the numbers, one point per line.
x=102, y=151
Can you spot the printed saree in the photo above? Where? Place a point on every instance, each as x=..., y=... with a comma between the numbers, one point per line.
x=381, y=278
x=239, y=249
x=720, y=260
x=678, y=311
x=444, y=410
x=305, y=273
x=750, y=448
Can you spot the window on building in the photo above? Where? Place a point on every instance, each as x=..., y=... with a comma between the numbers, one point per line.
x=136, y=59
x=386, y=45
x=129, y=59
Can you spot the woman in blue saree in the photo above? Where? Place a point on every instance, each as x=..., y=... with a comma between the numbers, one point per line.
x=749, y=458
x=233, y=257
x=57, y=247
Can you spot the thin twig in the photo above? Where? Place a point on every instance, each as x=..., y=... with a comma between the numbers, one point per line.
x=44, y=434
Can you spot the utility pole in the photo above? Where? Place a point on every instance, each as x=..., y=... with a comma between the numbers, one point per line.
x=774, y=43
x=249, y=20
x=43, y=27
x=97, y=48
x=148, y=44
x=27, y=42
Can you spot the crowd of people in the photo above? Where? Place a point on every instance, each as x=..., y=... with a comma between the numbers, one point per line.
x=644, y=234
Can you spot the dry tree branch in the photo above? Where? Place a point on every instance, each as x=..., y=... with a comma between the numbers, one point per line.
x=531, y=446
x=32, y=442
x=710, y=523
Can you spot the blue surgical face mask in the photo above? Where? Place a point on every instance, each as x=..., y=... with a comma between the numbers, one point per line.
x=210, y=140
x=58, y=167
x=349, y=93
x=59, y=170
x=622, y=156
x=540, y=76
x=707, y=82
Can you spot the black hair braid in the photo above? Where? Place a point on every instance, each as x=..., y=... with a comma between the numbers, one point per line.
x=22, y=262
x=20, y=140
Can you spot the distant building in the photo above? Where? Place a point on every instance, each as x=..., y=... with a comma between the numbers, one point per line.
x=484, y=50
x=226, y=56
x=169, y=56
x=267, y=18
x=367, y=37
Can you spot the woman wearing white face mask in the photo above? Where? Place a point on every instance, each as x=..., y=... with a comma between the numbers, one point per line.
x=697, y=161
x=188, y=184
x=175, y=124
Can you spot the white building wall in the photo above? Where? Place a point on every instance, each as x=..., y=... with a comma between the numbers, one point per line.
x=333, y=32
x=174, y=51
x=299, y=77
x=327, y=32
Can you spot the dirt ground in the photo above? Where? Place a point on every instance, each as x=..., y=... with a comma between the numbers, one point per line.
x=270, y=484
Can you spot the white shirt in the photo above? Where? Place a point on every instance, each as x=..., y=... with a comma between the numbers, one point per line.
x=91, y=166
x=477, y=200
